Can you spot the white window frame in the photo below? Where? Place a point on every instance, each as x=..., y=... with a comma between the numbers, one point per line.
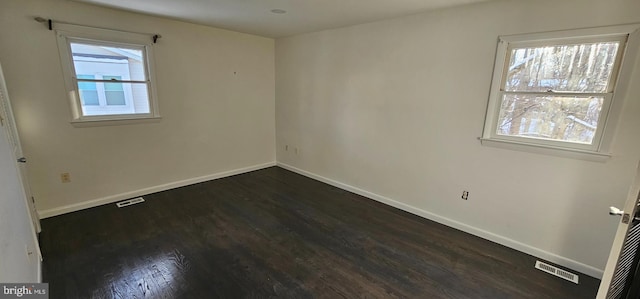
x=68, y=33
x=627, y=35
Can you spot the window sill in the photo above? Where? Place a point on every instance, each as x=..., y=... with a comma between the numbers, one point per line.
x=547, y=150
x=114, y=122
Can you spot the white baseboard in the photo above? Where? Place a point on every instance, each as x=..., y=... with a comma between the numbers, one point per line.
x=545, y=255
x=122, y=196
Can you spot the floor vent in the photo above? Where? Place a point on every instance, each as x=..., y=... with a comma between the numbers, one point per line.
x=557, y=271
x=129, y=202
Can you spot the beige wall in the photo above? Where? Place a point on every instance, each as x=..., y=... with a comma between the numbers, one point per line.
x=216, y=98
x=395, y=108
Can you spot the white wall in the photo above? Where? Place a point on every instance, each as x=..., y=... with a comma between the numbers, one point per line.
x=216, y=98
x=394, y=108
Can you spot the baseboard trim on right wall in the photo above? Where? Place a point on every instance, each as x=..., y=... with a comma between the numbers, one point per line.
x=545, y=255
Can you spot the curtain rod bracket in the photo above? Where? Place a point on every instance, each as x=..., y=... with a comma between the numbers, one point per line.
x=156, y=37
x=48, y=22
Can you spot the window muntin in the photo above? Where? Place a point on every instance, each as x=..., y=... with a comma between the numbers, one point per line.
x=556, y=89
x=107, y=73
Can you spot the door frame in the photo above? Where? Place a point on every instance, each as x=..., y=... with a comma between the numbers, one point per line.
x=630, y=208
x=12, y=130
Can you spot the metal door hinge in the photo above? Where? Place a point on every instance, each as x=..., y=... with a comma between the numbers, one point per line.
x=625, y=218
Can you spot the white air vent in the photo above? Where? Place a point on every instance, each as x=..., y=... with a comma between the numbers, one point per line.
x=129, y=202
x=557, y=271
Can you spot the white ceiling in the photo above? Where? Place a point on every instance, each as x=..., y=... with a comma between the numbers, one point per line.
x=255, y=16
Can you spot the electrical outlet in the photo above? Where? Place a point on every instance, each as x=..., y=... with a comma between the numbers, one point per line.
x=465, y=195
x=65, y=177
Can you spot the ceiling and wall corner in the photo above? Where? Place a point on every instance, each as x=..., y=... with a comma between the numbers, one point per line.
x=256, y=17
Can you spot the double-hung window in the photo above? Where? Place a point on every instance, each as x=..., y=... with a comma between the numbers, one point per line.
x=108, y=74
x=556, y=90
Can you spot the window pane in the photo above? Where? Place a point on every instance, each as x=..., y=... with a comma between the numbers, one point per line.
x=86, y=85
x=114, y=92
x=93, y=59
x=115, y=98
x=132, y=99
x=89, y=97
x=571, y=119
x=571, y=68
x=88, y=91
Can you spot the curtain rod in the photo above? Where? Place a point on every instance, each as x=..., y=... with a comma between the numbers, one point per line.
x=49, y=24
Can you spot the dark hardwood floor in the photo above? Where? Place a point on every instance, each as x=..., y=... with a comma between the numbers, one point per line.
x=273, y=233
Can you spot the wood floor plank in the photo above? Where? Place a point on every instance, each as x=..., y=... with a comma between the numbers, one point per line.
x=275, y=234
